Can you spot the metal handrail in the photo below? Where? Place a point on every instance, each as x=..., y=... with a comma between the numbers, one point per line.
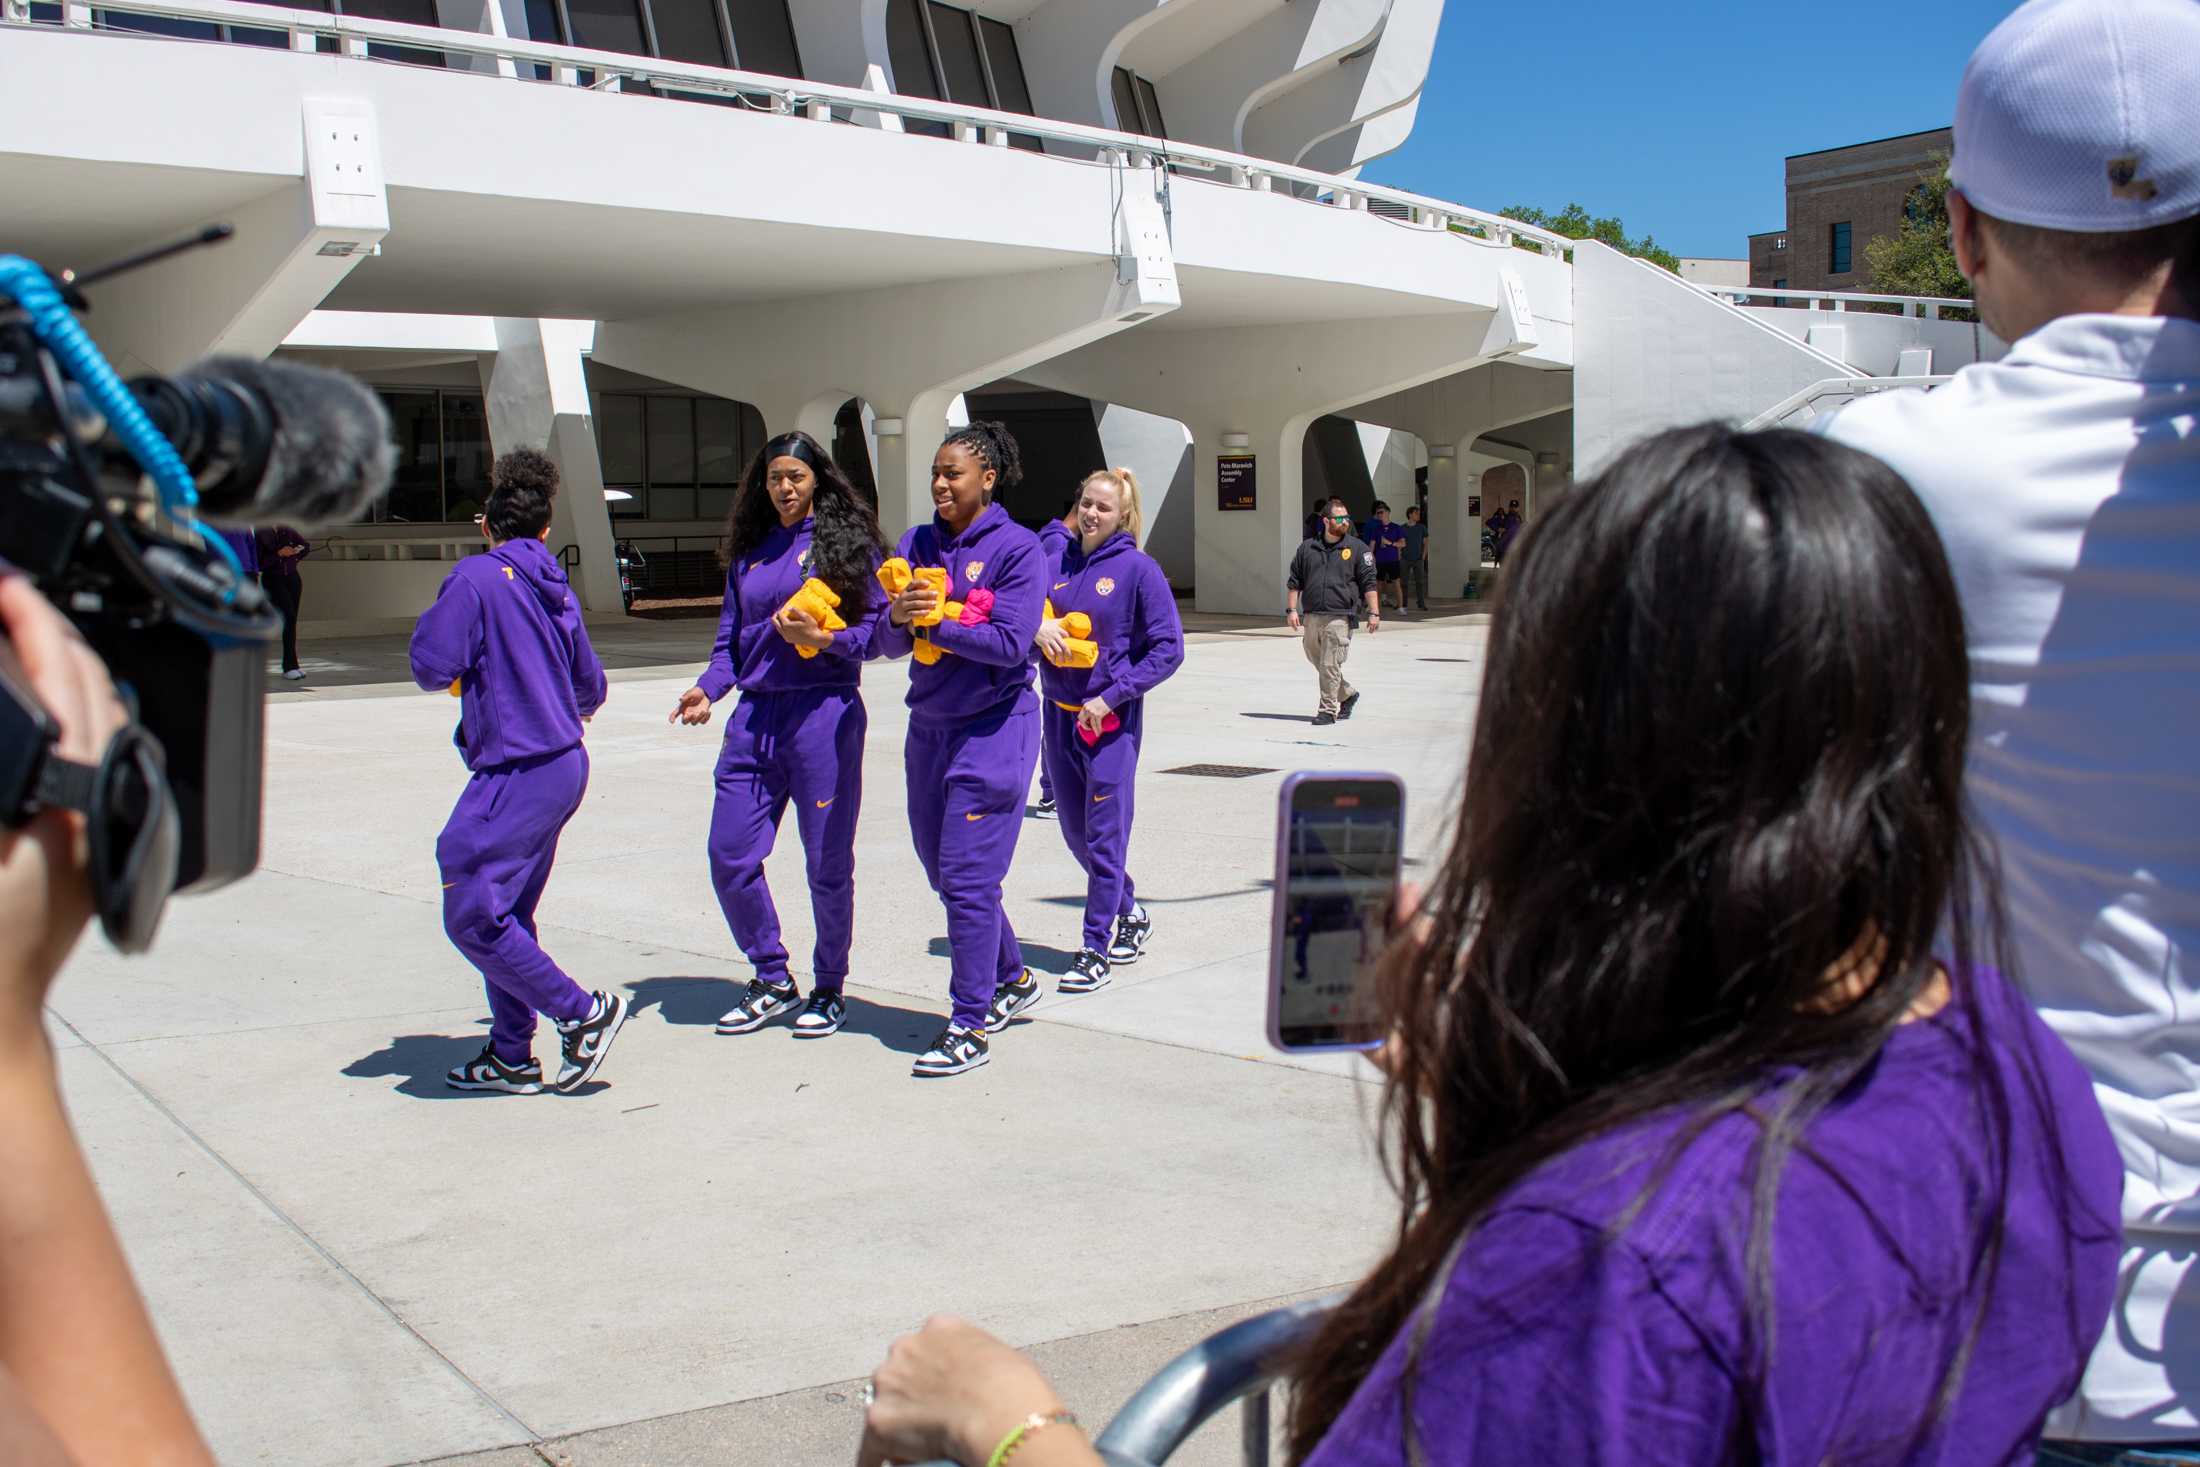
x=1241, y=1363
x=1794, y=402
x=1928, y=306
x=795, y=97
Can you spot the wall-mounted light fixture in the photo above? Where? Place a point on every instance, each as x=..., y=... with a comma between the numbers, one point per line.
x=1237, y=440
x=886, y=427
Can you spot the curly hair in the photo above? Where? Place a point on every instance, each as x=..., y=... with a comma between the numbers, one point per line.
x=996, y=447
x=522, y=484
x=846, y=543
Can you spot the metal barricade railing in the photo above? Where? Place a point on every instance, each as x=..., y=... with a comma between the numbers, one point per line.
x=1241, y=1363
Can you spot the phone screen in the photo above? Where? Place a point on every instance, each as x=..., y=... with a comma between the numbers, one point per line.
x=1342, y=838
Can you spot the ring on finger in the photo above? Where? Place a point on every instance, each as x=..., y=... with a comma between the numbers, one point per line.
x=868, y=1394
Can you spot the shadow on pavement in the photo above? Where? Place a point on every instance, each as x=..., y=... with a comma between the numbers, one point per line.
x=1036, y=954
x=1282, y=717
x=423, y=1059
x=683, y=1000
x=904, y=1031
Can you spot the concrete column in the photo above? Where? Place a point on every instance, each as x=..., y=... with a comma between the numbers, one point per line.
x=905, y=461
x=1245, y=554
x=537, y=397
x=1455, y=537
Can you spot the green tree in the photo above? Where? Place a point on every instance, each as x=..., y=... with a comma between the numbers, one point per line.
x=1575, y=222
x=1917, y=259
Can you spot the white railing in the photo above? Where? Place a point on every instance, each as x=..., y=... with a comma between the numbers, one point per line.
x=792, y=97
x=353, y=545
x=1798, y=408
x=1927, y=306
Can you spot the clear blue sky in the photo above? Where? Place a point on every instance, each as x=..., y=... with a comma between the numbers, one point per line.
x=1674, y=117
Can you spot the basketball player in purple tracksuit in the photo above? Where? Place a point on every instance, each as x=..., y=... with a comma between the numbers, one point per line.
x=797, y=732
x=505, y=633
x=1092, y=718
x=973, y=727
x=1054, y=538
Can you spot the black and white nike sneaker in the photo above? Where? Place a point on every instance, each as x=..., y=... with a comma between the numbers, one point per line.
x=955, y=1051
x=1011, y=999
x=1087, y=971
x=763, y=1003
x=822, y=1015
x=486, y=1072
x=587, y=1041
x=1131, y=931
x=1045, y=810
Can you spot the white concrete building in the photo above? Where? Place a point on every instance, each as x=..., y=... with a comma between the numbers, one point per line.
x=645, y=233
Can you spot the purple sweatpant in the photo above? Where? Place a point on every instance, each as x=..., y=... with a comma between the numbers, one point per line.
x=805, y=746
x=967, y=783
x=1094, y=787
x=496, y=852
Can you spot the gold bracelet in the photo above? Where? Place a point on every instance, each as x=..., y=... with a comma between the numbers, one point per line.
x=1036, y=1421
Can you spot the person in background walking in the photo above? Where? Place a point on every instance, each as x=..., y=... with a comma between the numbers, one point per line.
x=1503, y=526
x=973, y=724
x=1093, y=713
x=1415, y=560
x=797, y=732
x=1388, y=541
x=280, y=549
x=1332, y=576
x=2065, y=479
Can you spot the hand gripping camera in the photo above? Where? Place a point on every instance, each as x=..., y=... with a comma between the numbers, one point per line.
x=102, y=491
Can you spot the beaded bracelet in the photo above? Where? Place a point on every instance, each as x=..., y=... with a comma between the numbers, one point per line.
x=1036, y=1421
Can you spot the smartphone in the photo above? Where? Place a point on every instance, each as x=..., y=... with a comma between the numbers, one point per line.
x=1339, y=845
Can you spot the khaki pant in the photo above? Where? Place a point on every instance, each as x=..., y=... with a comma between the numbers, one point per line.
x=1328, y=641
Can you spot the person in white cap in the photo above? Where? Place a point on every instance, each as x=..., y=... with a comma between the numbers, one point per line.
x=2065, y=479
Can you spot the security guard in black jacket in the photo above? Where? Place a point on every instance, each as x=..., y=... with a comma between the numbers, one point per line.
x=1332, y=576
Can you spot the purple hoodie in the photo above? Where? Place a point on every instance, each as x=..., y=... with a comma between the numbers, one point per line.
x=750, y=655
x=991, y=664
x=506, y=627
x=1134, y=621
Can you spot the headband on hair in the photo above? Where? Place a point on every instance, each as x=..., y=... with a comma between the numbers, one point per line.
x=792, y=445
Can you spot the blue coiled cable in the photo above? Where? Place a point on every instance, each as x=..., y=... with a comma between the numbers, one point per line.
x=81, y=360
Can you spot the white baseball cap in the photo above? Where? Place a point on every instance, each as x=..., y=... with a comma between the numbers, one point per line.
x=2084, y=115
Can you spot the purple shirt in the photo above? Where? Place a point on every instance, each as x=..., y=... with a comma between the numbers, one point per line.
x=991, y=665
x=506, y=627
x=1555, y=1344
x=1134, y=621
x=248, y=551
x=1390, y=543
x=751, y=655
x=271, y=541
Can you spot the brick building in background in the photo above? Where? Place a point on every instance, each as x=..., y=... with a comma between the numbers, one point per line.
x=1839, y=199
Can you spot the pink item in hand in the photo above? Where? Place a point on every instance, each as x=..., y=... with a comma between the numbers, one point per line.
x=1108, y=725
x=977, y=607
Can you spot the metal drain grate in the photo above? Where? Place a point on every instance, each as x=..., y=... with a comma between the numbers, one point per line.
x=1444, y=659
x=1218, y=771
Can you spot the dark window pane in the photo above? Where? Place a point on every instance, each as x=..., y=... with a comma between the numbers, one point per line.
x=718, y=441
x=416, y=489
x=160, y=25
x=1840, y=262
x=619, y=438
x=958, y=44
x=1149, y=106
x=671, y=504
x=671, y=441
x=45, y=12
x=687, y=30
x=714, y=504
x=909, y=52
x=411, y=12
x=465, y=455
x=1007, y=65
x=763, y=34
x=253, y=36
x=1126, y=101
x=607, y=25
x=542, y=22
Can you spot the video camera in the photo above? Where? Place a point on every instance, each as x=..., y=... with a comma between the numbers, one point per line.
x=103, y=487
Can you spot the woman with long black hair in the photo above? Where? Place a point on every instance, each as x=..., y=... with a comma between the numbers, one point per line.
x=801, y=550
x=1718, y=1136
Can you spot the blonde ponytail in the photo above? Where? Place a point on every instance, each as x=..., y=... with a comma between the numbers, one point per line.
x=1126, y=488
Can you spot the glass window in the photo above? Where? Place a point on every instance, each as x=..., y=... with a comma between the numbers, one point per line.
x=958, y=53
x=619, y=438
x=1126, y=101
x=1149, y=106
x=718, y=456
x=160, y=25
x=1840, y=263
x=687, y=30
x=1005, y=64
x=608, y=25
x=908, y=50
x=676, y=502
x=466, y=455
x=416, y=489
x=671, y=440
x=411, y=12
x=763, y=34
x=714, y=504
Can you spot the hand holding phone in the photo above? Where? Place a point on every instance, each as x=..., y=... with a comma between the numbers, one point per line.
x=1340, y=841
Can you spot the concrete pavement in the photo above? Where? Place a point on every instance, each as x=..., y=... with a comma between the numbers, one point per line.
x=352, y=1265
